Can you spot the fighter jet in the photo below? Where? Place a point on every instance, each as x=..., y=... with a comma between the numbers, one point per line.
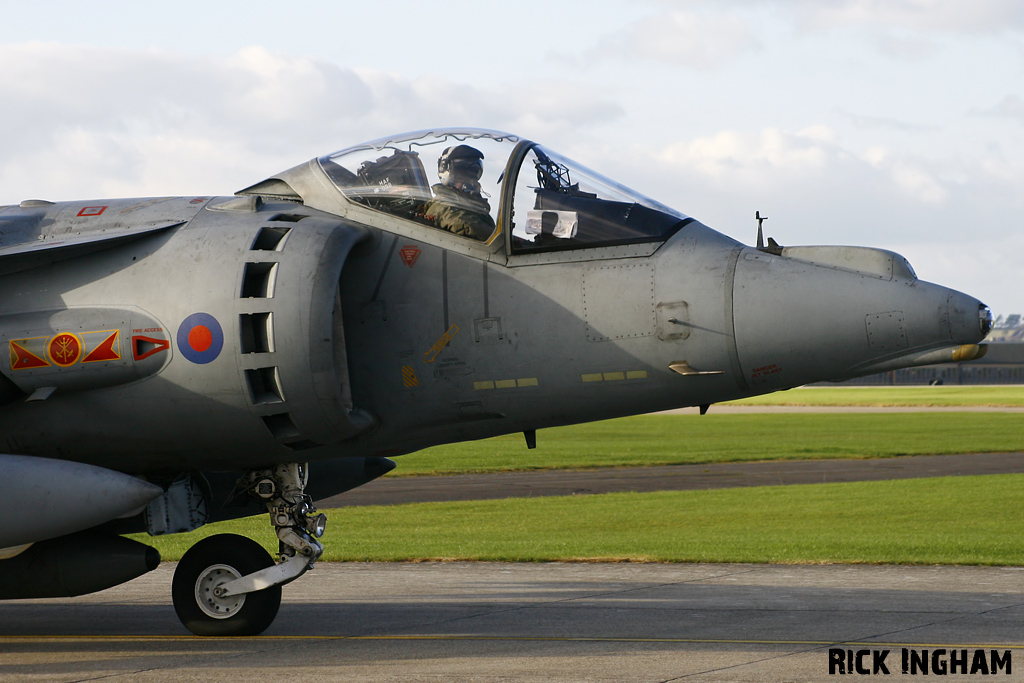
x=177, y=361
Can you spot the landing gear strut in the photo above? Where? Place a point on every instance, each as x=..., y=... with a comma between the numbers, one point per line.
x=228, y=585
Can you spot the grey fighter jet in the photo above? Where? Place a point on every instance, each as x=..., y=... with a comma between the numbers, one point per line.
x=176, y=361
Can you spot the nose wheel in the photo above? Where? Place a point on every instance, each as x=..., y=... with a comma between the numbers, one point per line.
x=211, y=563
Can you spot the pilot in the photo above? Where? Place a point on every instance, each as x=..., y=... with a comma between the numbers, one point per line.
x=458, y=205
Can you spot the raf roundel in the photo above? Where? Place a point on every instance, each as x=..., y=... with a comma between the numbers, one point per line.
x=200, y=338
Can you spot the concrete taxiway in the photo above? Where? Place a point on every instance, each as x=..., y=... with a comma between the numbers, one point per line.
x=530, y=622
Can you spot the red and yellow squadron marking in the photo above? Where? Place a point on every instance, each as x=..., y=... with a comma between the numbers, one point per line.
x=22, y=358
x=108, y=349
x=64, y=349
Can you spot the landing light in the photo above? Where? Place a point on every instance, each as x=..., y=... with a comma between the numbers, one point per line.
x=317, y=525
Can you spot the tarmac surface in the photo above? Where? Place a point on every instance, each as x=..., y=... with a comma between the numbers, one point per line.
x=553, y=621
x=392, y=490
x=533, y=622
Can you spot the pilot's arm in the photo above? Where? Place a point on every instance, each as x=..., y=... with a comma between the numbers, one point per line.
x=460, y=213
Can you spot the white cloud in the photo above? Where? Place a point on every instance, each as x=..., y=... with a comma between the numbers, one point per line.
x=898, y=45
x=915, y=178
x=753, y=157
x=86, y=122
x=818, y=191
x=700, y=40
x=918, y=182
x=952, y=16
x=923, y=16
x=882, y=123
x=805, y=161
x=987, y=268
x=1010, y=107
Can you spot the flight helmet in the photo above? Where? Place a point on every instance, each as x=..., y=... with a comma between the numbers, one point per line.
x=459, y=164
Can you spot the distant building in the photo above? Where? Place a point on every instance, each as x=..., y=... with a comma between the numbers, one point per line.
x=1003, y=363
x=1007, y=330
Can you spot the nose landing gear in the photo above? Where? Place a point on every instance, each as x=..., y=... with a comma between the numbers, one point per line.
x=215, y=561
x=228, y=585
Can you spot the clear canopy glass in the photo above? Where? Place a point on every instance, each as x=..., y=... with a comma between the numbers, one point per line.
x=400, y=175
x=560, y=204
x=453, y=179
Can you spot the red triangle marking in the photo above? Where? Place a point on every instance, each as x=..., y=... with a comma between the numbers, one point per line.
x=409, y=255
x=108, y=349
x=23, y=359
x=144, y=347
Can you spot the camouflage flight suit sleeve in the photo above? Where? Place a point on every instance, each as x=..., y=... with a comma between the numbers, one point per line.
x=460, y=213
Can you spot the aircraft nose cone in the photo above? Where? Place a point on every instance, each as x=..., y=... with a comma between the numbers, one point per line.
x=798, y=322
x=970, y=321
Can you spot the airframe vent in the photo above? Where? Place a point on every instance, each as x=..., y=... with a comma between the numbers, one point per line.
x=289, y=217
x=281, y=426
x=270, y=239
x=257, y=332
x=265, y=386
x=303, y=445
x=258, y=280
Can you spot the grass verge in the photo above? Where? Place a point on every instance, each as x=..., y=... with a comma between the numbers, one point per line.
x=686, y=439
x=907, y=396
x=951, y=520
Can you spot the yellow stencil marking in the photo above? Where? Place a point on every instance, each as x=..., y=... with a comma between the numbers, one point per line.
x=430, y=355
x=612, y=376
x=409, y=377
x=506, y=383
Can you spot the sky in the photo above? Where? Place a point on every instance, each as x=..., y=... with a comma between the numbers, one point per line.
x=896, y=124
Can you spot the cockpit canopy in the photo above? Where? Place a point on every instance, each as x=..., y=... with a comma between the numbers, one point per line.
x=542, y=200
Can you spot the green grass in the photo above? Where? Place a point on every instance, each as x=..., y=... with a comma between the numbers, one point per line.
x=680, y=439
x=958, y=520
x=951, y=520
x=909, y=396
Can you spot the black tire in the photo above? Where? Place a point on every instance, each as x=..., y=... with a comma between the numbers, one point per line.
x=216, y=560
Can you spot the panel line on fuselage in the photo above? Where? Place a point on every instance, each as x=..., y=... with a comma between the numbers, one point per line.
x=384, y=270
x=487, y=299
x=444, y=285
